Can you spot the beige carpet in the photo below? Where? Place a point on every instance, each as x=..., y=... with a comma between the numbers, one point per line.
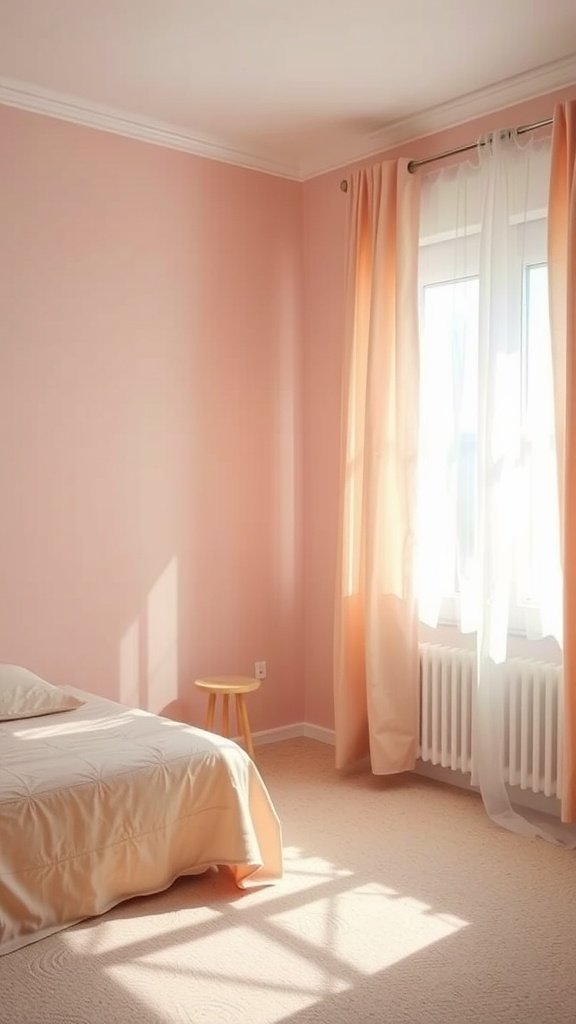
x=401, y=903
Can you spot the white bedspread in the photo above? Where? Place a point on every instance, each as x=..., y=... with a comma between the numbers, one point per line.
x=104, y=803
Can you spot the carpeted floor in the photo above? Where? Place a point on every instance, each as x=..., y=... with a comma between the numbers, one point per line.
x=402, y=904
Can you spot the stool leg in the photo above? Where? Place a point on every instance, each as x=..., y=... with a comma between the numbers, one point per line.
x=225, y=715
x=210, y=712
x=243, y=723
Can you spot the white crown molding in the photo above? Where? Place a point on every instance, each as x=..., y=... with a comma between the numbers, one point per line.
x=69, y=108
x=518, y=89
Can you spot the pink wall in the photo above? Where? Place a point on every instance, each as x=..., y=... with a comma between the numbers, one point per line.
x=324, y=232
x=150, y=416
x=170, y=369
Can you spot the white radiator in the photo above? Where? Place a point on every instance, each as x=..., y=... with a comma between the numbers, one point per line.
x=532, y=717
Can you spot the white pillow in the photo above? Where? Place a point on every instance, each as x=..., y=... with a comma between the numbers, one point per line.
x=24, y=695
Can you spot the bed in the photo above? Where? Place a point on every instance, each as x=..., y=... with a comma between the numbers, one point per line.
x=100, y=802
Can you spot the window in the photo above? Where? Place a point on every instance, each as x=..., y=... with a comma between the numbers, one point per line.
x=486, y=404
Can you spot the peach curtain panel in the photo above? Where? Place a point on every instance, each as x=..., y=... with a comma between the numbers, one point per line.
x=376, y=684
x=562, y=276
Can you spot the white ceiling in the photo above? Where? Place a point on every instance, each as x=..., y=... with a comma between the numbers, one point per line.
x=291, y=86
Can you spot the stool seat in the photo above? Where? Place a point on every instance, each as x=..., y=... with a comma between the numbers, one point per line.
x=226, y=687
x=228, y=684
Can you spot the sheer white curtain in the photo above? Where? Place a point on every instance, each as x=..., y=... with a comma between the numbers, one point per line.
x=488, y=554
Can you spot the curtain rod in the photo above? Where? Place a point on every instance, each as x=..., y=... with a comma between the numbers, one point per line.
x=413, y=165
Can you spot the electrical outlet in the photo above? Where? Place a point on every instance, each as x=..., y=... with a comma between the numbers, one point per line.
x=260, y=669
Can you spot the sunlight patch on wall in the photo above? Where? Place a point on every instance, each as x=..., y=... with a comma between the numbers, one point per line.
x=162, y=639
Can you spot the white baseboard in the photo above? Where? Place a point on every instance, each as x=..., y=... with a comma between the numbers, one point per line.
x=291, y=732
x=537, y=802
x=318, y=732
x=283, y=732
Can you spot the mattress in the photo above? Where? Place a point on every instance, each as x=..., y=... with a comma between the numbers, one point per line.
x=105, y=802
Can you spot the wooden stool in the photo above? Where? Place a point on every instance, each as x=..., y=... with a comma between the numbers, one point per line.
x=227, y=686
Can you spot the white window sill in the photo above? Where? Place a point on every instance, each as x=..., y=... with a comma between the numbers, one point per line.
x=519, y=646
